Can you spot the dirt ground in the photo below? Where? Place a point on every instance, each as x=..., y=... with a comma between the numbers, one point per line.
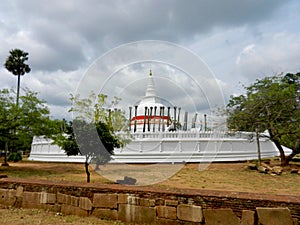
x=41, y=217
x=215, y=176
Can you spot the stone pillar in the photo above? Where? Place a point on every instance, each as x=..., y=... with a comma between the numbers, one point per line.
x=174, y=119
x=159, y=122
x=155, y=107
x=185, y=121
x=145, y=115
x=205, y=123
x=163, y=118
x=178, y=120
x=168, y=121
x=194, y=121
x=150, y=118
x=130, y=114
x=135, y=112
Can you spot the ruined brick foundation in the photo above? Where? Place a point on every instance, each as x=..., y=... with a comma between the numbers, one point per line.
x=152, y=205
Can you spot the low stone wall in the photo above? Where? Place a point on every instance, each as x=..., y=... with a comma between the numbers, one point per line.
x=151, y=205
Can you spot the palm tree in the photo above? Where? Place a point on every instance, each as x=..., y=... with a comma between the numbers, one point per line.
x=15, y=63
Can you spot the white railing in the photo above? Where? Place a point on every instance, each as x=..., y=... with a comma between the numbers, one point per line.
x=189, y=135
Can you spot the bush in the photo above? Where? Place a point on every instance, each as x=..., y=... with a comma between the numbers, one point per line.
x=15, y=157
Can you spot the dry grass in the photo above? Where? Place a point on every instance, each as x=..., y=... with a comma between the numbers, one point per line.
x=215, y=176
x=41, y=217
x=234, y=177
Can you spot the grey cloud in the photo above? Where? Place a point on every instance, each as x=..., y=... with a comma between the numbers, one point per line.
x=68, y=28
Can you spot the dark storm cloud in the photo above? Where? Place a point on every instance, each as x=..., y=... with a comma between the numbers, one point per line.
x=67, y=34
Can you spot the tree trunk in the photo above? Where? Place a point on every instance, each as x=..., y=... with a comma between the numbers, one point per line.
x=258, y=146
x=88, y=175
x=18, y=89
x=281, y=152
x=295, y=151
x=280, y=149
x=5, y=155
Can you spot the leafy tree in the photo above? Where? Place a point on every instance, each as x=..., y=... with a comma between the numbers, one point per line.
x=271, y=104
x=7, y=121
x=92, y=132
x=15, y=63
x=18, y=124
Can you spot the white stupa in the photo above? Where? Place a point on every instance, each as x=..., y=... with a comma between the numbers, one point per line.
x=149, y=114
x=156, y=139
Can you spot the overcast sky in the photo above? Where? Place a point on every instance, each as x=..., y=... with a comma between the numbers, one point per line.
x=240, y=41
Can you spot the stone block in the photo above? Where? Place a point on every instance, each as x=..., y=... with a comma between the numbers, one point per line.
x=220, y=217
x=136, y=214
x=85, y=203
x=133, y=200
x=151, y=202
x=47, y=198
x=31, y=200
x=167, y=212
x=73, y=210
x=189, y=213
x=163, y=221
x=18, y=203
x=248, y=217
x=61, y=198
x=111, y=214
x=122, y=198
x=105, y=201
x=171, y=202
x=144, y=202
x=159, y=201
x=72, y=200
x=295, y=221
x=67, y=199
x=7, y=197
x=19, y=191
x=274, y=216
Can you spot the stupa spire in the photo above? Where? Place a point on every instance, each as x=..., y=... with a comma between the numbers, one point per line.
x=150, y=91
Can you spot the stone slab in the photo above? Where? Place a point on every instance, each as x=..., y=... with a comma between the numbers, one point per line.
x=73, y=210
x=31, y=200
x=189, y=213
x=67, y=199
x=47, y=198
x=248, y=217
x=7, y=196
x=85, y=203
x=105, y=201
x=122, y=198
x=220, y=217
x=111, y=214
x=163, y=221
x=136, y=214
x=171, y=202
x=274, y=216
x=167, y=212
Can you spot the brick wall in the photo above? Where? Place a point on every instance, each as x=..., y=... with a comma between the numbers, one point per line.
x=152, y=205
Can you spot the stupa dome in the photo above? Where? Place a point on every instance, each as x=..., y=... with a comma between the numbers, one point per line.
x=151, y=106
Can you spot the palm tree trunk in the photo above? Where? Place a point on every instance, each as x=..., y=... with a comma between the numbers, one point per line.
x=18, y=89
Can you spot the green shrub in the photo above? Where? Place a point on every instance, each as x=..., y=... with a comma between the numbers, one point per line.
x=14, y=157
